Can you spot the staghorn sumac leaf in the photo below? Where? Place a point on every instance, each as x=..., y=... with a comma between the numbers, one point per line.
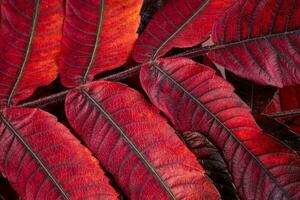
x=43, y=160
x=135, y=144
x=30, y=43
x=98, y=36
x=213, y=163
x=196, y=99
x=260, y=41
x=178, y=24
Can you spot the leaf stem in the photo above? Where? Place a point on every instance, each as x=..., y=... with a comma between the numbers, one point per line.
x=58, y=97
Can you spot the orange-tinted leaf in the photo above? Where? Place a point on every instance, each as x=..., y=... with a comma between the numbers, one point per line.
x=98, y=36
x=194, y=98
x=179, y=23
x=43, y=160
x=135, y=144
x=30, y=43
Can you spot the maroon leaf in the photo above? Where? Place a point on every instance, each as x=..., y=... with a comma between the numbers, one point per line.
x=196, y=99
x=256, y=96
x=135, y=144
x=213, y=163
x=43, y=160
x=178, y=24
x=286, y=99
x=280, y=131
x=259, y=40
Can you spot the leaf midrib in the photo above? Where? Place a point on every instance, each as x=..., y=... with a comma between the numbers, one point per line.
x=222, y=124
x=179, y=29
x=27, y=53
x=35, y=156
x=129, y=142
x=96, y=45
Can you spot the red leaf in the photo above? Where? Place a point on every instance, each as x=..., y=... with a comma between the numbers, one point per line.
x=30, y=43
x=259, y=40
x=256, y=96
x=98, y=36
x=43, y=160
x=280, y=131
x=295, y=126
x=135, y=144
x=213, y=162
x=178, y=24
x=286, y=99
x=196, y=99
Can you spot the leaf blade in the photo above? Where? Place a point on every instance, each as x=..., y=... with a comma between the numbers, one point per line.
x=121, y=116
x=98, y=36
x=25, y=52
x=178, y=24
x=31, y=149
x=263, y=47
x=196, y=99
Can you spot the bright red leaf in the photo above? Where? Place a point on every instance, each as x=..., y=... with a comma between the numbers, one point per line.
x=196, y=99
x=259, y=40
x=98, y=36
x=135, y=144
x=30, y=44
x=178, y=24
x=43, y=160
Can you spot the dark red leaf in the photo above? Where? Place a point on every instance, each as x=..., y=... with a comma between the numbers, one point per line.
x=149, y=8
x=256, y=96
x=213, y=163
x=6, y=192
x=286, y=99
x=295, y=125
x=98, y=36
x=30, y=43
x=43, y=160
x=196, y=99
x=178, y=24
x=280, y=131
x=135, y=144
x=259, y=40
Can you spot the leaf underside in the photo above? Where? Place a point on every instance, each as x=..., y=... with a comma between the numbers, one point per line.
x=135, y=144
x=196, y=99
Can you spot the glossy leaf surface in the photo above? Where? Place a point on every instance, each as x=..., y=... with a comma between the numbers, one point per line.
x=178, y=24
x=98, y=36
x=259, y=40
x=212, y=161
x=196, y=99
x=43, y=160
x=30, y=43
x=135, y=144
